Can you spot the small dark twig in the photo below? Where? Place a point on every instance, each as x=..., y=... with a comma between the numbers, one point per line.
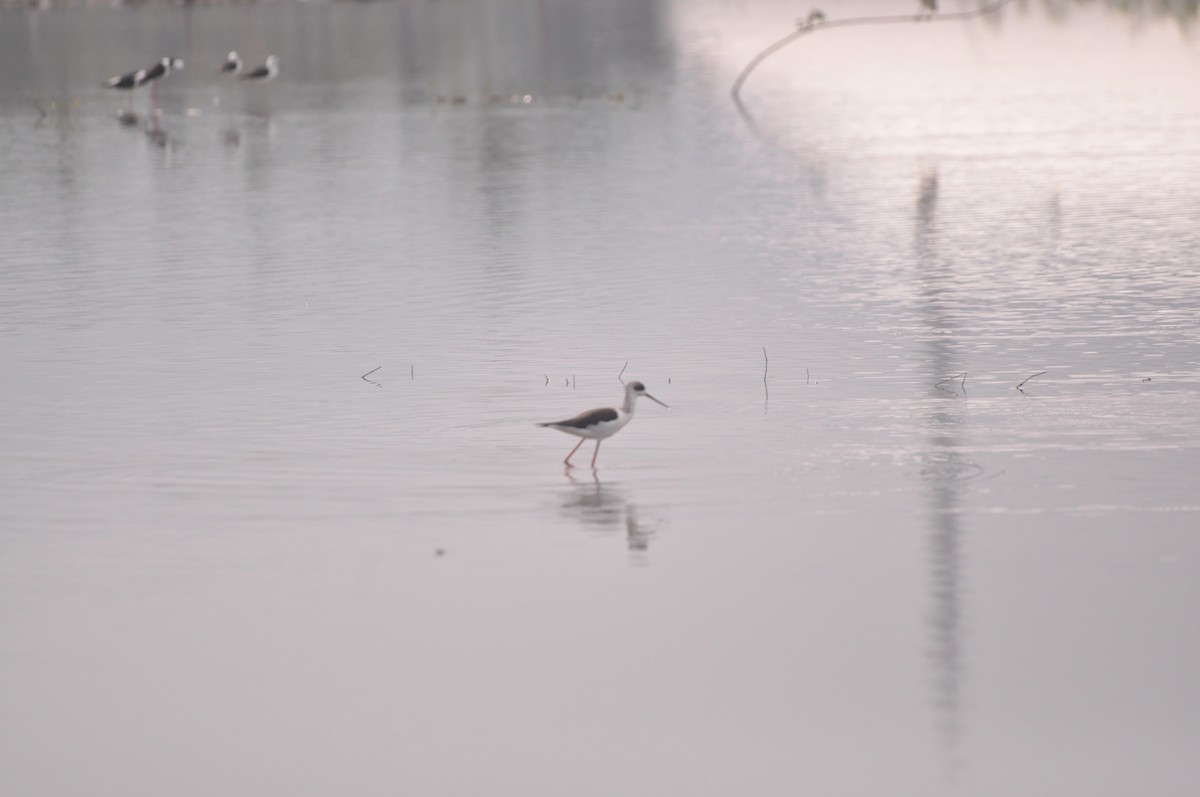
x=766, y=390
x=1026, y=379
x=371, y=381
x=547, y=378
x=963, y=383
x=806, y=376
x=412, y=372
x=623, y=367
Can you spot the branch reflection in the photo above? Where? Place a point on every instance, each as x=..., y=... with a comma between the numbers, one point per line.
x=944, y=469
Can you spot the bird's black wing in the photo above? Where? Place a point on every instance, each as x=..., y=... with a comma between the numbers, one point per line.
x=125, y=81
x=585, y=419
x=153, y=73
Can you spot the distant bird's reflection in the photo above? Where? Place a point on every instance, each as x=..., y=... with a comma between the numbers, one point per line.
x=158, y=137
x=604, y=508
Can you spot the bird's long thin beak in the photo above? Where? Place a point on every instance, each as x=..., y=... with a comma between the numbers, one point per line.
x=656, y=401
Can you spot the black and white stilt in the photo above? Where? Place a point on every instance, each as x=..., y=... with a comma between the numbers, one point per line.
x=127, y=82
x=267, y=71
x=156, y=73
x=232, y=65
x=601, y=424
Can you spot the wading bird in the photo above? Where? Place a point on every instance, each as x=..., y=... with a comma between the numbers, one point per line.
x=232, y=65
x=263, y=73
x=160, y=70
x=127, y=82
x=156, y=73
x=600, y=424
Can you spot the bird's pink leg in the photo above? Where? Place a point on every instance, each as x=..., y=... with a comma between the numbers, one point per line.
x=594, y=454
x=567, y=461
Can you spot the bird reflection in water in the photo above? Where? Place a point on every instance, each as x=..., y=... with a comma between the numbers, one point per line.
x=157, y=136
x=604, y=508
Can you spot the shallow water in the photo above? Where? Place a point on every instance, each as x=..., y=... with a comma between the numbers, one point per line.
x=232, y=563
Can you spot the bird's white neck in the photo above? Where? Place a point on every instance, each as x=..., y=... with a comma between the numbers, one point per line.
x=630, y=401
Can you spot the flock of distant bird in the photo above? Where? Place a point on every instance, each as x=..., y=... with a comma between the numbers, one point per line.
x=151, y=75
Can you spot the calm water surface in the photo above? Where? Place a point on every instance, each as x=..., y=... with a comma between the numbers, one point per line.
x=233, y=565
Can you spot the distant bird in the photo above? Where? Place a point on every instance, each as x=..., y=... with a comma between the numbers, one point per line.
x=156, y=73
x=160, y=70
x=129, y=80
x=232, y=65
x=814, y=17
x=266, y=72
x=603, y=423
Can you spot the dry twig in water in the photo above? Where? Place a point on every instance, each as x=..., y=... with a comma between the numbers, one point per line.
x=766, y=391
x=962, y=384
x=1026, y=379
x=372, y=381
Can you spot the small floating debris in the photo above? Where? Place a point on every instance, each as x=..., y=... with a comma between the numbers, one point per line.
x=372, y=381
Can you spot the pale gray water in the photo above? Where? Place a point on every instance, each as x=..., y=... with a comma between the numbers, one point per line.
x=220, y=568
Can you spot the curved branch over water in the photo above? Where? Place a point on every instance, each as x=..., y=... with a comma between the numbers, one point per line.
x=816, y=22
